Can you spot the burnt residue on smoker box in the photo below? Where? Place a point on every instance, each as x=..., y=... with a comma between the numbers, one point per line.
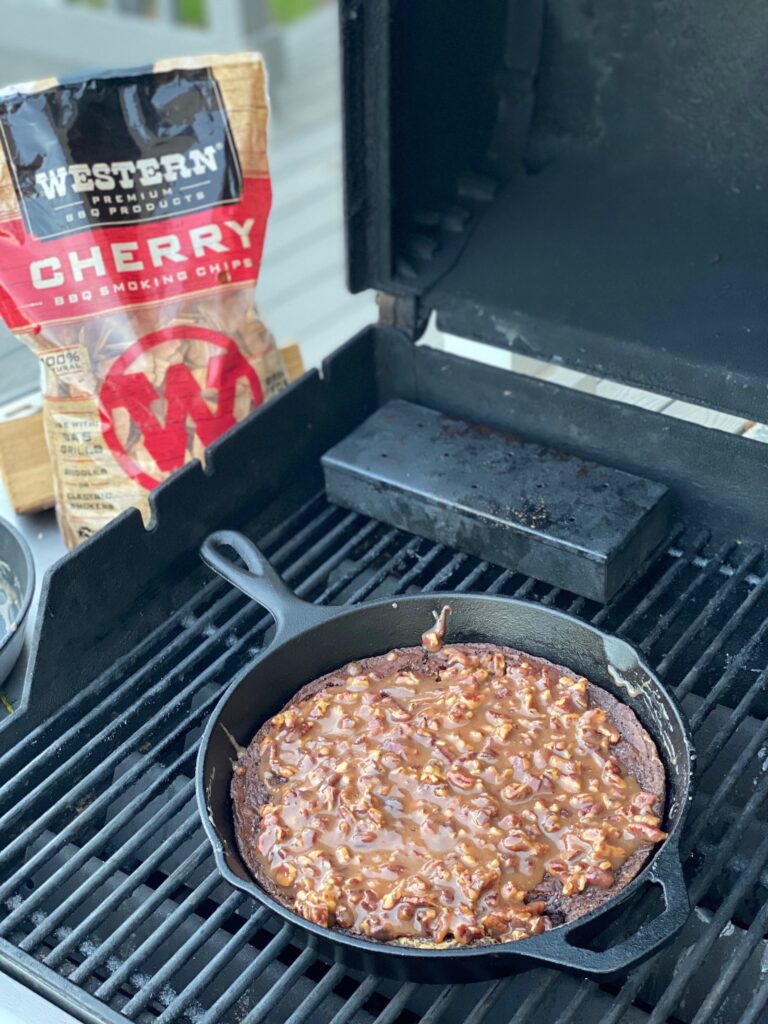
x=460, y=428
x=541, y=511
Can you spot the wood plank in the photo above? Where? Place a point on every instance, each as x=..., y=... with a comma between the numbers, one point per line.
x=288, y=247
x=302, y=103
x=304, y=83
x=360, y=310
x=324, y=188
x=25, y=465
x=56, y=34
x=292, y=361
x=308, y=40
x=556, y=374
x=586, y=382
x=305, y=112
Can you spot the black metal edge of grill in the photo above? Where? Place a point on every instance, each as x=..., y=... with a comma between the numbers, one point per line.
x=247, y=485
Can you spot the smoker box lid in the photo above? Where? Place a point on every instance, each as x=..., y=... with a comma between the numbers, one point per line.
x=579, y=180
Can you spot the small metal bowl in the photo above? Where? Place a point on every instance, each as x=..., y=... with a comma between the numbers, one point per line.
x=17, y=585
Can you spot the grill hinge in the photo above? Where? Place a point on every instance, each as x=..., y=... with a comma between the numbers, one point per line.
x=403, y=313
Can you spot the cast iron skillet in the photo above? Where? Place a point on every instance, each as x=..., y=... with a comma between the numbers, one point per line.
x=312, y=640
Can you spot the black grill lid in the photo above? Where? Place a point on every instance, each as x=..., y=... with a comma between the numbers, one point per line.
x=581, y=181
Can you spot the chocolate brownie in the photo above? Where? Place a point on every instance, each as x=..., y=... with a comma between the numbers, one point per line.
x=469, y=794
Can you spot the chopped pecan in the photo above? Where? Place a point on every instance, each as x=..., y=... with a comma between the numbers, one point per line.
x=412, y=772
x=647, y=832
x=285, y=874
x=466, y=933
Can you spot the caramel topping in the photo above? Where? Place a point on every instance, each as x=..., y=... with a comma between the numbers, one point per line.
x=432, y=640
x=430, y=807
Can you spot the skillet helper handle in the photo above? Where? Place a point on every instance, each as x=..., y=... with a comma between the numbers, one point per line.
x=667, y=871
x=259, y=581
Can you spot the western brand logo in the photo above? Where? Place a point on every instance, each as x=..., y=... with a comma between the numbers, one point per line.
x=126, y=174
x=183, y=160
x=165, y=436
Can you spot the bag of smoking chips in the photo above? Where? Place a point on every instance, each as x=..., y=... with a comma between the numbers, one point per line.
x=133, y=206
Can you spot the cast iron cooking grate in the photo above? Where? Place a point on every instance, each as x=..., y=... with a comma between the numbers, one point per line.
x=109, y=899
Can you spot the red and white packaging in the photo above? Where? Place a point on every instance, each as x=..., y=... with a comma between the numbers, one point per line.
x=133, y=207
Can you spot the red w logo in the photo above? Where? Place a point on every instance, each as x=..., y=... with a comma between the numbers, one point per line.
x=166, y=441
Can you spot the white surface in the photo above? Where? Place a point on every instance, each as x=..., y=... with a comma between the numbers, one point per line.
x=708, y=417
x=759, y=432
x=577, y=381
x=19, y=1005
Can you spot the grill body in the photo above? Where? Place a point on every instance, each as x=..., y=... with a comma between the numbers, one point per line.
x=110, y=900
x=568, y=180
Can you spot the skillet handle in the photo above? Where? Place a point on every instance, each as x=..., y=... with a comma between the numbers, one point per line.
x=260, y=581
x=649, y=938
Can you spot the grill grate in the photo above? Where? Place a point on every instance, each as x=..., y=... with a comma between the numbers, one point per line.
x=108, y=893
